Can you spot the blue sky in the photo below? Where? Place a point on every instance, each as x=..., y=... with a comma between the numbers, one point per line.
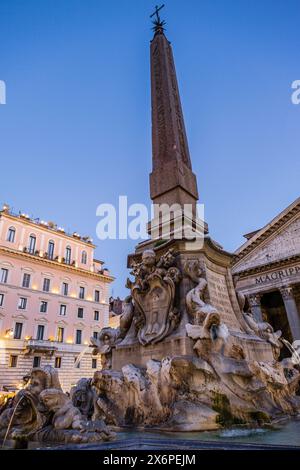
x=76, y=129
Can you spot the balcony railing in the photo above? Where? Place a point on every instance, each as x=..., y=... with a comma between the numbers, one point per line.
x=39, y=345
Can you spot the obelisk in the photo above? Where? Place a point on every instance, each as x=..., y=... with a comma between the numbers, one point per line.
x=172, y=179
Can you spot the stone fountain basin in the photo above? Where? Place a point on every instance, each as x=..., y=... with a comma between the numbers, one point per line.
x=284, y=435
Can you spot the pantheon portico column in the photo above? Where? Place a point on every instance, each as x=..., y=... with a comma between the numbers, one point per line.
x=291, y=311
x=255, y=305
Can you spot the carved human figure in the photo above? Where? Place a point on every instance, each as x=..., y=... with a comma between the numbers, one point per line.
x=42, y=378
x=196, y=305
x=126, y=317
x=265, y=331
x=82, y=396
x=65, y=414
x=104, y=343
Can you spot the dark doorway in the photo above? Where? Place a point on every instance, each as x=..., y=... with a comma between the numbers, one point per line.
x=273, y=311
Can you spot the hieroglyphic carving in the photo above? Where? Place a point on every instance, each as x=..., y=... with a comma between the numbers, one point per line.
x=158, y=105
x=219, y=298
x=184, y=151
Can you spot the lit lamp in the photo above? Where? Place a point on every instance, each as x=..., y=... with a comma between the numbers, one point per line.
x=9, y=333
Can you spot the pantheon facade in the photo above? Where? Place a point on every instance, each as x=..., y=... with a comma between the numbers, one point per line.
x=266, y=268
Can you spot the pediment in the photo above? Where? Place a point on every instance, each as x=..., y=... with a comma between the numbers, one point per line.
x=97, y=327
x=20, y=316
x=61, y=323
x=42, y=320
x=80, y=325
x=281, y=244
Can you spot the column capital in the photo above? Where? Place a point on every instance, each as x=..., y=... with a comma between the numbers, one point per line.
x=254, y=300
x=286, y=292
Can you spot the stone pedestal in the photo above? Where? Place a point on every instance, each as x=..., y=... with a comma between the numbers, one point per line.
x=220, y=293
x=139, y=355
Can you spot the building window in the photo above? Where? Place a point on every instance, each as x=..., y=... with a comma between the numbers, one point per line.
x=22, y=303
x=80, y=312
x=97, y=295
x=1, y=300
x=13, y=361
x=95, y=334
x=65, y=288
x=50, y=251
x=11, y=235
x=78, y=336
x=31, y=244
x=84, y=257
x=60, y=334
x=96, y=315
x=43, y=306
x=81, y=292
x=18, y=330
x=36, y=361
x=40, y=332
x=68, y=255
x=46, y=285
x=57, y=363
x=26, y=280
x=94, y=363
x=63, y=310
x=4, y=275
x=76, y=362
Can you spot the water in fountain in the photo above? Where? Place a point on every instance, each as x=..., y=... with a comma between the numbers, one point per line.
x=83, y=352
x=293, y=351
x=11, y=420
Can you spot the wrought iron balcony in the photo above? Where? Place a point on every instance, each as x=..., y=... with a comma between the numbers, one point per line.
x=39, y=345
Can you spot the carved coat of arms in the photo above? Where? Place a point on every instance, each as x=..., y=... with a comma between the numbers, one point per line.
x=154, y=293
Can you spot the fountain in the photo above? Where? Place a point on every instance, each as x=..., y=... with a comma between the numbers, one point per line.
x=187, y=356
x=42, y=412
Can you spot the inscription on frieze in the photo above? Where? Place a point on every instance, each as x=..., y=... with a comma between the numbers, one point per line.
x=280, y=275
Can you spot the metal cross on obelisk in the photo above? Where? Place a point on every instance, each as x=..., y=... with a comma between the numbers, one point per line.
x=157, y=9
x=158, y=24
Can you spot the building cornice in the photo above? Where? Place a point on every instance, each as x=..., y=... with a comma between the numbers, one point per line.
x=56, y=264
x=264, y=268
x=59, y=233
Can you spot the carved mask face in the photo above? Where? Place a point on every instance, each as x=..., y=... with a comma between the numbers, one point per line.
x=35, y=385
x=148, y=258
x=106, y=339
x=198, y=271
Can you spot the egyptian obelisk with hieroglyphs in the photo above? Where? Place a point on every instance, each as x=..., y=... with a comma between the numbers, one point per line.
x=172, y=181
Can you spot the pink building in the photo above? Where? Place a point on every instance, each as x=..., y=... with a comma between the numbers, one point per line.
x=53, y=297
